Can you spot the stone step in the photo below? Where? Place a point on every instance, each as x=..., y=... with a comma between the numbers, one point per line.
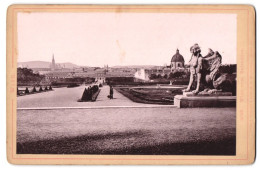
x=217, y=93
x=182, y=101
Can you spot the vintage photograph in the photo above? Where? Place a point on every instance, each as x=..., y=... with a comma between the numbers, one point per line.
x=126, y=83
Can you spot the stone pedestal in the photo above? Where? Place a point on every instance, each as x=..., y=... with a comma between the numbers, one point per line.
x=191, y=100
x=207, y=94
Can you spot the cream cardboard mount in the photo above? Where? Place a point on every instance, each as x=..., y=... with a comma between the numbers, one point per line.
x=209, y=119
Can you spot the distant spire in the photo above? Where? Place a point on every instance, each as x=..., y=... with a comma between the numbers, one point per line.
x=53, y=65
x=177, y=51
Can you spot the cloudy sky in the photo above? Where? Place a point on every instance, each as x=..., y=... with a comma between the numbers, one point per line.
x=95, y=39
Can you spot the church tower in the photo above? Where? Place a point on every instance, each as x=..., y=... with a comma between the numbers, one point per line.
x=177, y=61
x=53, y=63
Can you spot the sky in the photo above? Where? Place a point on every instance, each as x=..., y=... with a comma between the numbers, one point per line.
x=98, y=39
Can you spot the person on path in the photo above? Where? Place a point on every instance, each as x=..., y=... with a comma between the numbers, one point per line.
x=111, y=92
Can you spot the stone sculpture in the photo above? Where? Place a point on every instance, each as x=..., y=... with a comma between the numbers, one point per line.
x=206, y=71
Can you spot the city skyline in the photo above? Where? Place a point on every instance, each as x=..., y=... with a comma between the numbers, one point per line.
x=95, y=39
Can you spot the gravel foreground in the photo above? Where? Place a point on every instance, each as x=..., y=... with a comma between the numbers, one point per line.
x=139, y=131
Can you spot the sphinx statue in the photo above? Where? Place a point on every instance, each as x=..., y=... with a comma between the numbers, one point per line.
x=206, y=71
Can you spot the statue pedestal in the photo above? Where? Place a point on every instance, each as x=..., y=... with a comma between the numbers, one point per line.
x=204, y=99
x=203, y=94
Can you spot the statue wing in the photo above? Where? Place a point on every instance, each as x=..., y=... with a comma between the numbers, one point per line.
x=211, y=64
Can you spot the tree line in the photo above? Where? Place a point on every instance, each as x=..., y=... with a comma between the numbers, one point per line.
x=172, y=75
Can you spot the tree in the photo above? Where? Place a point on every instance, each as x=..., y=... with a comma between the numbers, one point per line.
x=176, y=74
x=159, y=76
x=25, y=75
x=171, y=75
x=153, y=76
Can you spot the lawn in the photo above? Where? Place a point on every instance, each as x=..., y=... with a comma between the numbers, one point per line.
x=150, y=95
x=166, y=131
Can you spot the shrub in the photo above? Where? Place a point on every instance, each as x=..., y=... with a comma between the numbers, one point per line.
x=177, y=74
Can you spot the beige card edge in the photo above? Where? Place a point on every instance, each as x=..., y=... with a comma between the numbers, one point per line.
x=245, y=97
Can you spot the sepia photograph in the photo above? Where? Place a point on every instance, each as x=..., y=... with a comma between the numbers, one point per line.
x=130, y=84
x=126, y=83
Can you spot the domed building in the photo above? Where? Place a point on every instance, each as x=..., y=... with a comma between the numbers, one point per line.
x=177, y=61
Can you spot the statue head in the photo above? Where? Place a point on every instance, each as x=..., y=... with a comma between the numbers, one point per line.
x=195, y=49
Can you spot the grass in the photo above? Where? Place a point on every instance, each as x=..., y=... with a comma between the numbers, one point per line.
x=151, y=95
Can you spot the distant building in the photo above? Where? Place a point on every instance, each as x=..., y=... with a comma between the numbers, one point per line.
x=177, y=64
x=53, y=65
x=41, y=71
x=177, y=61
x=52, y=76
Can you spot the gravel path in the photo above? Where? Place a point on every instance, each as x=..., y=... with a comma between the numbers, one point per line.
x=67, y=97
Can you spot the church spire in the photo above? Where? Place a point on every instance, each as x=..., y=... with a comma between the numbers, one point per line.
x=53, y=65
